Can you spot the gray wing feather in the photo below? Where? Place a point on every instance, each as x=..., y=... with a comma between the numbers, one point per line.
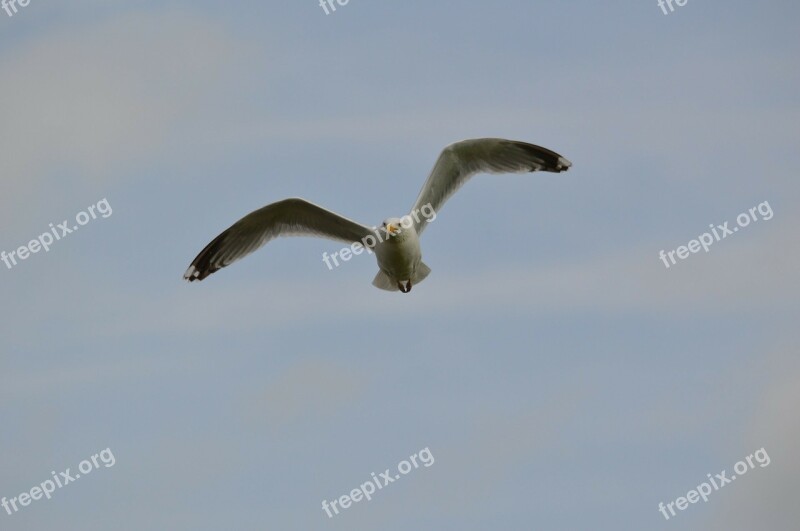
x=460, y=161
x=290, y=217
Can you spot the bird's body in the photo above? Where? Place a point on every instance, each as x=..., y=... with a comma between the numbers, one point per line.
x=399, y=259
x=398, y=249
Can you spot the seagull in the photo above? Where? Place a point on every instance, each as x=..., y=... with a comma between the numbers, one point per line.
x=396, y=245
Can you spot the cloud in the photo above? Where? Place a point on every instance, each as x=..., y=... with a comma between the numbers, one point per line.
x=86, y=101
x=766, y=497
x=308, y=389
x=750, y=272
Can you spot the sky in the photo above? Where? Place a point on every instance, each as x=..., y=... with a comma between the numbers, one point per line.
x=558, y=373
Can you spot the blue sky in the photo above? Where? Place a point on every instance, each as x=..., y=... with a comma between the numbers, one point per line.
x=561, y=376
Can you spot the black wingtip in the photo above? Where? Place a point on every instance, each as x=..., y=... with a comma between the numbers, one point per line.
x=546, y=160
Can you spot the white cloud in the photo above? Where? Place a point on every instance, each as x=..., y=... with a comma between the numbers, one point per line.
x=766, y=497
x=308, y=389
x=88, y=100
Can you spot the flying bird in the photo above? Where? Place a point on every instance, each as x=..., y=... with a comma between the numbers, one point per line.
x=396, y=245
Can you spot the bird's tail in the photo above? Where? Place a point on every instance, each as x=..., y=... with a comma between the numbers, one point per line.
x=382, y=280
x=420, y=274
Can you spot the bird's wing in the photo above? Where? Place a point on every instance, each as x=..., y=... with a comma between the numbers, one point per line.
x=460, y=161
x=290, y=217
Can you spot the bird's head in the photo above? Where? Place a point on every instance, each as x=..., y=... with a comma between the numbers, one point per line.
x=394, y=226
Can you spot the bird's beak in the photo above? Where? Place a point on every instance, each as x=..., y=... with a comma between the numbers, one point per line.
x=393, y=229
